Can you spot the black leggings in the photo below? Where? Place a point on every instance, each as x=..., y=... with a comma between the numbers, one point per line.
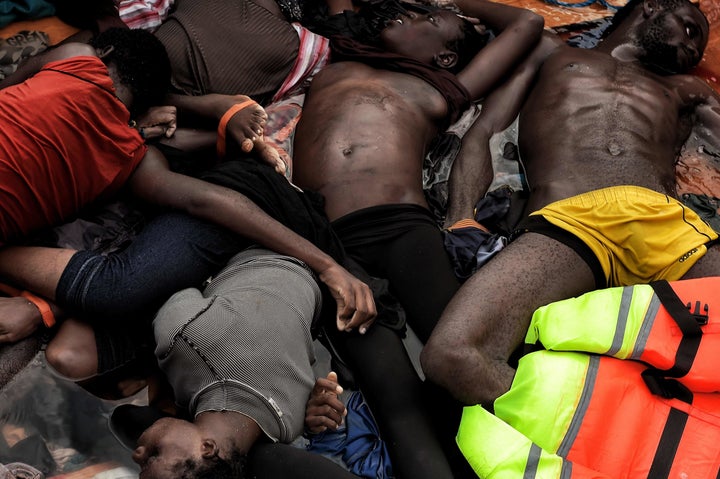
x=281, y=461
x=418, y=422
x=403, y=244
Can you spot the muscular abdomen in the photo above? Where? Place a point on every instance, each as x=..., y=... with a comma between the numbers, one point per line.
x=592, y=122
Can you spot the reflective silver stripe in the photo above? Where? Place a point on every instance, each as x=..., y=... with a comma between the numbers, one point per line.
x=622, y=321
x=646, y=327
x=579, y=415
x=533, y=462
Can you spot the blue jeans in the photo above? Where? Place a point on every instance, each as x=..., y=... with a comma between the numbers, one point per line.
x=174, y=251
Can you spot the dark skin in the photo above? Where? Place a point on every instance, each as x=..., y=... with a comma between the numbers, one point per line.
x=364, y=131
x=361, y=142
x=219, y=433
x=593, y=119
x=39, y=269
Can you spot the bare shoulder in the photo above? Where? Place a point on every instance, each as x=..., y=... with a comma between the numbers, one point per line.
x=69, y=50
x=694, y=90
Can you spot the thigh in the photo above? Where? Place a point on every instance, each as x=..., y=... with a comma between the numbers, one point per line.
x=421, y=277
x=492, y=310
x=406, y=414
x=174, y=251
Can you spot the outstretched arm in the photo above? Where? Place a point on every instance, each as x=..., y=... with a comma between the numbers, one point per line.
x=472, y=171
x=154, y=182
x=517, y=32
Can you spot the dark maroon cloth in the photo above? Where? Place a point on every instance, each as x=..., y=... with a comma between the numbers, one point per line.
x=458, y=99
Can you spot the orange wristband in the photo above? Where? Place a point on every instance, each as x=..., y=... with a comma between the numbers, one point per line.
x=222, y=126
x=48, y=318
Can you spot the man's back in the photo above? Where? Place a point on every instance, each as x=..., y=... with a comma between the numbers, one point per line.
x=65, y=142
x=363, y=136
x=592, y=121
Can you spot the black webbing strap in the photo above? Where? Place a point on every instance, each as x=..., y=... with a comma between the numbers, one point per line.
x=660, y=385
x=692, y=334
x=669, y=442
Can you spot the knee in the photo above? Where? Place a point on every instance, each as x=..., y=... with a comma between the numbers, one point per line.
x=73, y=362
x=438, y=360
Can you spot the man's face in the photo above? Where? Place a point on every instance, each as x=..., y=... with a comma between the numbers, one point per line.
x=164, y=444
x=421, y=35
x=674, y=41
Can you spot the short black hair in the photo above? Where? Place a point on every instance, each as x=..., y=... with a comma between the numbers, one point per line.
x=629, y=7
x=467, y=44
x=141, y=62
x=213, y=468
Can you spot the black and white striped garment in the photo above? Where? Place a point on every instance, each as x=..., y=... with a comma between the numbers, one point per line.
x=244, y=343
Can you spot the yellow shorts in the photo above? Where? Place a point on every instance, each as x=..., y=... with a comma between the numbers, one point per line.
x=637, y=235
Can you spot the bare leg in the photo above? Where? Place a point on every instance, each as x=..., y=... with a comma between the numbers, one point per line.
x=488, y=318
x=73, y=352
x=36, y=269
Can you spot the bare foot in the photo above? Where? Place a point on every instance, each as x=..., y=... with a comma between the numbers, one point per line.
x=247, y=125
x=324, y=409
x=19, y=318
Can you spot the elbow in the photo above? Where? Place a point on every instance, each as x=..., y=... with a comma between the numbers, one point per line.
x=533, y=23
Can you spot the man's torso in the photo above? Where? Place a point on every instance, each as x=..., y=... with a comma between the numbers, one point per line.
x=592, y=121
x=363, y=137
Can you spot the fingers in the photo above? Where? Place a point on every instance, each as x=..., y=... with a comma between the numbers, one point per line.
x=270, y=155
x=324, y=409
x=155, y=131
x=356, y=310
x=325, y=385
x=158, y=121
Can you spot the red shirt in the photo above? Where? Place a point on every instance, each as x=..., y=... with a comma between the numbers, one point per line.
x=64, y=143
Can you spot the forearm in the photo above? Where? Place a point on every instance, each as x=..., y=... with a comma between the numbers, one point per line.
x=208, y=107
x=190, y=139
x=496, y=16
x=470, y=177
x=237, y=213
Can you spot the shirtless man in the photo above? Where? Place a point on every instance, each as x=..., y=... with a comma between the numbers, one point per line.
x=367, y=122
x=599, y=136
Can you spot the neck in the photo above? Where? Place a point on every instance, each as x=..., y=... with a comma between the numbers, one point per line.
x=621, y=42
x=229, y=429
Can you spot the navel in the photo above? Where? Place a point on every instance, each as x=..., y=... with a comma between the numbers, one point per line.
x=614, y=148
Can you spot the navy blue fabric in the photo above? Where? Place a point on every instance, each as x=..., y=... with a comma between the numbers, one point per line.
x=357, y=441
